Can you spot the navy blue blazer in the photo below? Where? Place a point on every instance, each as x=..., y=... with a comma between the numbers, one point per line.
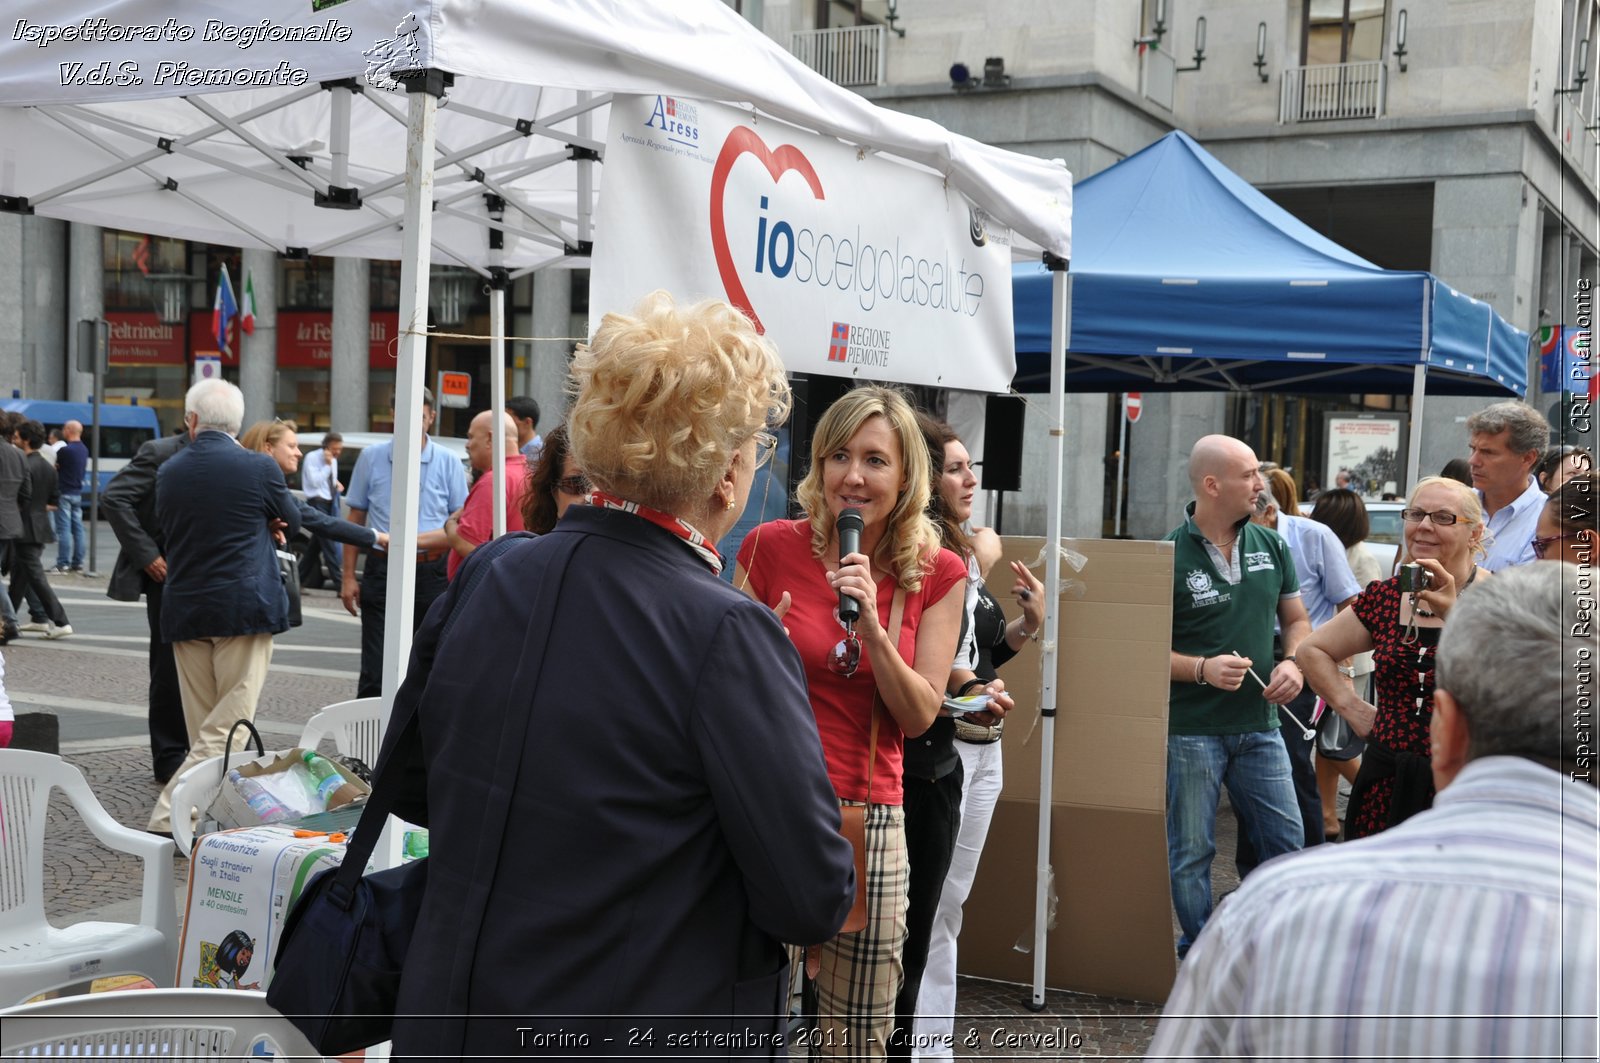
x=671, y=824
x=214, y=501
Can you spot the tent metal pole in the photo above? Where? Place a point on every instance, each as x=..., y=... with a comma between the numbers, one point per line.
x=1060, y=331
x=424, y=87
x=497, y=394
x=1419, y=385
x=586, y=175
x=339, y=134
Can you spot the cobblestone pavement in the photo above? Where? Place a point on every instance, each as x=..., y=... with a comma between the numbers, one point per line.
x=82, y=877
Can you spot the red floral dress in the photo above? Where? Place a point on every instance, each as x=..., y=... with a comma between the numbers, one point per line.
x=1403, y=678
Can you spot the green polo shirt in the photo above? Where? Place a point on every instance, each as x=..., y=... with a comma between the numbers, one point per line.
x=1211, y=616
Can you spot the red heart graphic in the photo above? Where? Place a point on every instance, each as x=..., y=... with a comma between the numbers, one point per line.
x=786, y=158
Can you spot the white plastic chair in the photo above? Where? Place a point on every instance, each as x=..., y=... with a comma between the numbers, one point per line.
x=356, y=727
x=161, y=1023
x=35, y=956
x=193, y=794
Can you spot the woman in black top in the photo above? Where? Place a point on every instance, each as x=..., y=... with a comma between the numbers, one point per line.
x=971, y=742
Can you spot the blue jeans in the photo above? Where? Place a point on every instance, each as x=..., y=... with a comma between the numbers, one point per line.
x=70, y=540
x=1255, y=768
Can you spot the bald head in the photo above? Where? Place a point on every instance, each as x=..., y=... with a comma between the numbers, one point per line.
x=1224, y=474
x=1213, y=455
x=72, y=430
x=480, y=438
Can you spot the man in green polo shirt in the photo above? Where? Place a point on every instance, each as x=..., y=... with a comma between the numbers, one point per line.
x=1231, y=578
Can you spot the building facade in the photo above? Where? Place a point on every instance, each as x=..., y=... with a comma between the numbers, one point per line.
x=1448, y=135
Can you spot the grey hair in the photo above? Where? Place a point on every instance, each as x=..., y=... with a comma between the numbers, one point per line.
x=1264, y=501
x=1529, y=430
x=1519, y=654
x=217, y=405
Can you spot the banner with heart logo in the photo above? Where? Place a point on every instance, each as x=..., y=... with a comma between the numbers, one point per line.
x=853, y=264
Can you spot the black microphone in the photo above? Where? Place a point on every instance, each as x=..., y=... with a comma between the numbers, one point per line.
x=849, y=526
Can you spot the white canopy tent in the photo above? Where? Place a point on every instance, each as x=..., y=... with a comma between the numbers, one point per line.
x=269, y=130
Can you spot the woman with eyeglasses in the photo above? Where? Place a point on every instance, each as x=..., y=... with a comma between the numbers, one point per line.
x=280, y=441
x=875, y=682
x=1444, y=533
x=1566, y=530
x=554, y=483
x=669, y=824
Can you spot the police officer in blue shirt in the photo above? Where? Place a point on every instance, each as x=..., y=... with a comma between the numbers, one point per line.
x=441, y=491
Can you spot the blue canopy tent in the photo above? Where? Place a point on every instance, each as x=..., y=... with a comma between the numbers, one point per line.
x=1186, y=278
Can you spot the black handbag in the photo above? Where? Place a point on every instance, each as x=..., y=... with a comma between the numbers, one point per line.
x=344, y=944
x=289, y=570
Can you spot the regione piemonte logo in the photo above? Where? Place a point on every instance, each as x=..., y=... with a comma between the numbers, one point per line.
x=839, y=346
x=858, y=345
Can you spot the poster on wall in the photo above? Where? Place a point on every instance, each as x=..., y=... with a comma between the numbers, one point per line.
x=1368, y=448
x=852, y=265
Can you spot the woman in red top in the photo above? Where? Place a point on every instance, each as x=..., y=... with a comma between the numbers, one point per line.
x=867, y=455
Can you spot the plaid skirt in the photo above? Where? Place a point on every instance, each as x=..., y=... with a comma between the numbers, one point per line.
x=860, y=974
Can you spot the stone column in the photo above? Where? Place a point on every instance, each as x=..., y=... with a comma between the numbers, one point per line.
x=85, y=299
x=16, y=362
x=258, y=352
x=1478, y=228
x=546, y=378
x=1158, y=456
x=349, y=408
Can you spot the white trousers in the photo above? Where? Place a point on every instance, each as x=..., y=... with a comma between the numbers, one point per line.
x=936, y=1001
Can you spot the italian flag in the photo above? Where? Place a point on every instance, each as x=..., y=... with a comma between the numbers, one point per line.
x=247, y=319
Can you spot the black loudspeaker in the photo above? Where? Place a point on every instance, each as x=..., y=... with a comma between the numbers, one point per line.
x=1002, y=443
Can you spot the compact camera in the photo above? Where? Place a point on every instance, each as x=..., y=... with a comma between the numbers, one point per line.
x=1414, y=578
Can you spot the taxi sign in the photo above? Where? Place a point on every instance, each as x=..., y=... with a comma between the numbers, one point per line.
x=455, y=389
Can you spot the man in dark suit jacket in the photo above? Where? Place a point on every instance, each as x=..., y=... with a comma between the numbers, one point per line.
x=27, y=551
x=224, y=596
x=129, y=504
x=15, y=491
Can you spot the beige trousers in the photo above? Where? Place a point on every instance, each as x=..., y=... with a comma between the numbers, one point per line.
x=220, y=680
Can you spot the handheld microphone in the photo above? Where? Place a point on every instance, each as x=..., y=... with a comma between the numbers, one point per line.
x=849, y=527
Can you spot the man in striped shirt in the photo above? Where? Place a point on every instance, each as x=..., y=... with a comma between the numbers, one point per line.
x=1470, y=930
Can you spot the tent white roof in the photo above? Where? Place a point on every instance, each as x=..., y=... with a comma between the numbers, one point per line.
x=532, y=80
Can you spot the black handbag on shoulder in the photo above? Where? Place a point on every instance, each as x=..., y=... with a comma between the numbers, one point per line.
x=344, y=943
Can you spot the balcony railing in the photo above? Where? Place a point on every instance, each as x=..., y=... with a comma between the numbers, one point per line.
x=848, y=55
x=1333, y=91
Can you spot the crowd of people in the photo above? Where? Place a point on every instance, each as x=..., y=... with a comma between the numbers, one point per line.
x=782, y=778
x=41, y=485
x=1414, y=664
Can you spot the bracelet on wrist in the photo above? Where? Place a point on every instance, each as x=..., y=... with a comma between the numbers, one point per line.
x=1200, y=672
x=969, y=685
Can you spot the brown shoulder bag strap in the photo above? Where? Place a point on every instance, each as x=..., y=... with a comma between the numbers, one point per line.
x=896, y=615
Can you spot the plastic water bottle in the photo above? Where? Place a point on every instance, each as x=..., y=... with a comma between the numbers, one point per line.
x=333, y=789
x=262, y=803
x=415, y=844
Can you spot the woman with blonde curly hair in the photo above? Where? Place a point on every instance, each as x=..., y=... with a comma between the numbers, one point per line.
x=670, y=823
x=875, y=682
x=1400, y=625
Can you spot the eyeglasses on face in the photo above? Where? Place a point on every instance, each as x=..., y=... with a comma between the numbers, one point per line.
x=1442, y=518
x=1542, y=545
x=574, y=485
